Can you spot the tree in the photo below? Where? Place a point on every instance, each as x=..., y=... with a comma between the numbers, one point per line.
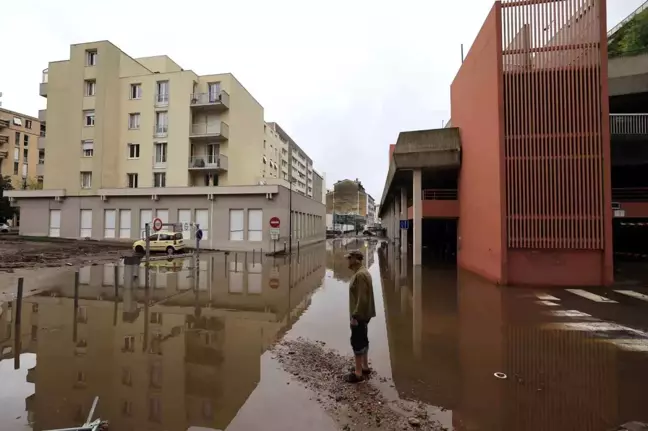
x=32, y=184
x=6, y=210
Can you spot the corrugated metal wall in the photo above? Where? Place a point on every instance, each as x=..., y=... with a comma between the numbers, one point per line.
x=554, y=131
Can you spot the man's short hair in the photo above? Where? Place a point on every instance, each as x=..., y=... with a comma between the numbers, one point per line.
x=355, y=254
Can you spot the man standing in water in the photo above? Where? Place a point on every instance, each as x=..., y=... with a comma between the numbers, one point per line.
x=361, y=309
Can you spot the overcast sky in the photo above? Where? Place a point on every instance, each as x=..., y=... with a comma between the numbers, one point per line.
x=343, y=78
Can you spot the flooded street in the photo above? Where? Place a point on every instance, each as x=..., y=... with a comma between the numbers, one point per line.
x=197, y=348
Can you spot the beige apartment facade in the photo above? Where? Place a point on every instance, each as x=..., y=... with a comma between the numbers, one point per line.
x=22, y=150
x=154, y=134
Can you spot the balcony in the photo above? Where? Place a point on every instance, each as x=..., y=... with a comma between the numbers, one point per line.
x=4, y=139
x=440, y=194
x=4, y=154
x=215, y=162
x=161, y=100
x=41, y=115
x=629, y=125
x=213, y=132
x=43, y=85
x=161, y=131
x=215, y=102
x=41, y=142
x=4, y=123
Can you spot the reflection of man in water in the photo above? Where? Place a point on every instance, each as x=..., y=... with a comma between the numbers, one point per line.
x=362, y=309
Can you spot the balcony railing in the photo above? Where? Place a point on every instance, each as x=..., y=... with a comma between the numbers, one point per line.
x=218, y=129
x=42, y=142
x=217, y=100
x=43, y=85
x=630, y=194
x=4, y=123
x=4, y=154
x=45, y=79
x=629, y=124
x=161, y=99
x=207, y=162
x=4, y=139
x=161, y=130
x=440, y=194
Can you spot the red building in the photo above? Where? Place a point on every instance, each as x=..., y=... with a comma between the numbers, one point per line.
x=527, y=155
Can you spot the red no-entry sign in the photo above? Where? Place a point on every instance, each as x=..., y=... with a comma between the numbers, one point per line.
x=157, y=224
x=275, y=222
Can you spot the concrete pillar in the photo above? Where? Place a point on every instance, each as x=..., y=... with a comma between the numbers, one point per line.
x=417, y=312
x=395, y=221
x=403, y=216
x=417, y=242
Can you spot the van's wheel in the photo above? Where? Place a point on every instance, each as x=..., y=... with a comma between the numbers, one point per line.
x=170, y=250
x=139, y=249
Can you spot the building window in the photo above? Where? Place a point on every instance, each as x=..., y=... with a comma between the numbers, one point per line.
x=17, y=139
x=160, y=153
x=25, y=155
x=86, y=224
x=155, y=410
x=90, y=87
x=28, y=124
x=41, y=157
x=162, y=94
x=255, y=225
x=16, y=168
x=236, y=225
x=136, y=91
x=133, y=151
x=25, y=140
x=132, y=181
x=159, y=179
x=87, y=148
x=24, y=172
x=129, y=343
x=17, y=121
x=86, y=180
x=91, y=57
x=161, y=122
x=134, y=121
x=89, y=118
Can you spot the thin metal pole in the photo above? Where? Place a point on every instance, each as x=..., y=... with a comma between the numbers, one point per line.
x=76, y=307
x=17, y=321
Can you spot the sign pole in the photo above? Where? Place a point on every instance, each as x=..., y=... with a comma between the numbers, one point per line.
x=147, y=234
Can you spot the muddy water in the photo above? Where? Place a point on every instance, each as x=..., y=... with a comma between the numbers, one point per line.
x=195, y=347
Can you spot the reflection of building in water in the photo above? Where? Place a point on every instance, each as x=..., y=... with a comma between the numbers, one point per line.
x=171, y=356
x=422, y=330
x=469, y=329
x=337, y=249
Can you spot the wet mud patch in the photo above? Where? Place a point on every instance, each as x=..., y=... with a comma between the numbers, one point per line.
x=355, y=406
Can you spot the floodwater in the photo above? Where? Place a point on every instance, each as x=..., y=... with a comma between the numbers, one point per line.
x=193, y=349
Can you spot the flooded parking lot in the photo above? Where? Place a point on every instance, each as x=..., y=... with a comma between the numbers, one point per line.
x=197, y=348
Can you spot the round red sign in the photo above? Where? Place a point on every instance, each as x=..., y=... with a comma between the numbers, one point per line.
x=275, y=222
x=274, y=283
x=157, y=224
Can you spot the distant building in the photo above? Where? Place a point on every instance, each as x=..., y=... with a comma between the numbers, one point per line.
x=348, y=203
x=22, y=149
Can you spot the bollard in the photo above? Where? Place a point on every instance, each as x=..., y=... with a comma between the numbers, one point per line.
x=19, y=297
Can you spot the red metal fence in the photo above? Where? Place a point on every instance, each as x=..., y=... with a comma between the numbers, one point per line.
x=440, y=194
x=630, y=194
x=554, y=123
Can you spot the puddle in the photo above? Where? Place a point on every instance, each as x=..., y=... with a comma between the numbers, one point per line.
x=195, y=347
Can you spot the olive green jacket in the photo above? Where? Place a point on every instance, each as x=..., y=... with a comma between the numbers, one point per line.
x=361, y=297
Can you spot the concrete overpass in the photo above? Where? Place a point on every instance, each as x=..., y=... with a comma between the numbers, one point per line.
x=423, y=159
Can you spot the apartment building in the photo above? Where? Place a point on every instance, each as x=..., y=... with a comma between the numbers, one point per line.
x=371, y=211
x=132, y=139
x=298, y=165
x=22, y=149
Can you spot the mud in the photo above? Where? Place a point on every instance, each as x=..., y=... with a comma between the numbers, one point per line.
x=354, y=406
x=18, y=253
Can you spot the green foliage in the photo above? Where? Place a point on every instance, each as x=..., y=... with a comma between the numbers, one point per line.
x=6, y=210
x=632, y=38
